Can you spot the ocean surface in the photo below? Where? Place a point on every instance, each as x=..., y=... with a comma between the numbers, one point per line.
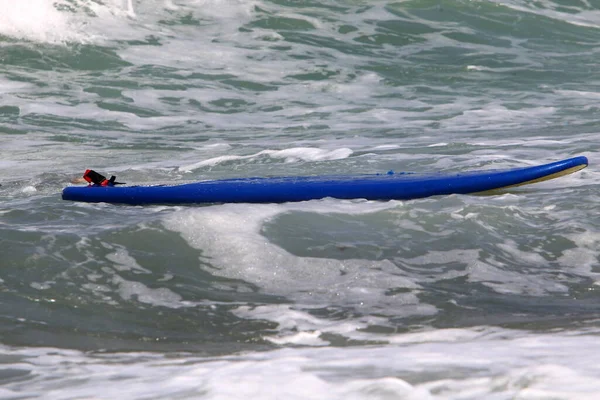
x=455, y=297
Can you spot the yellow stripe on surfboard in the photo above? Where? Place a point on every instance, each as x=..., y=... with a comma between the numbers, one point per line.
x=567, y=171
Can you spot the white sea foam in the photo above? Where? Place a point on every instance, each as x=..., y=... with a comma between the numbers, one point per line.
x=63, y=21
x=230, y=236
x=297, y=326
x=37, y=20
x=130, y=290
x=584, y=257
x=122, y=261
x=496, y=116
x=462, y=363
x=77, y=21
x=288, y=155
x=556, y=10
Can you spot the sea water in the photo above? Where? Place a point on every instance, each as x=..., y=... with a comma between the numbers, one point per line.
x=454, y=297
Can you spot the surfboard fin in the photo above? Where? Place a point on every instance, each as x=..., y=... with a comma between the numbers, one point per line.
x=112, y=182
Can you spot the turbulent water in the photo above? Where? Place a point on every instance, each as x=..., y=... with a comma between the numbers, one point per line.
x=455, y=297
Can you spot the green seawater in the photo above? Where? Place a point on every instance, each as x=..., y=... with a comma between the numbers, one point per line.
x=449, y=297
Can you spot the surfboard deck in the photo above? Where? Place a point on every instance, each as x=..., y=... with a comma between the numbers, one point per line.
x=387, y=186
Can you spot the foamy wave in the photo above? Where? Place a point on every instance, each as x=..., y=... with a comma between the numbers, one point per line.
x=35, y=20
x=61, y=21
x=288, y=155
x=231, y=236
x=573, y=14
x=478, y=363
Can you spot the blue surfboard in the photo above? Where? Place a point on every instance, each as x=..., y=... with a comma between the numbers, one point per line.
x=388, y=186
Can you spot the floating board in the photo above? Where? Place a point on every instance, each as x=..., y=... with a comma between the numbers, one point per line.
x=388, y=186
